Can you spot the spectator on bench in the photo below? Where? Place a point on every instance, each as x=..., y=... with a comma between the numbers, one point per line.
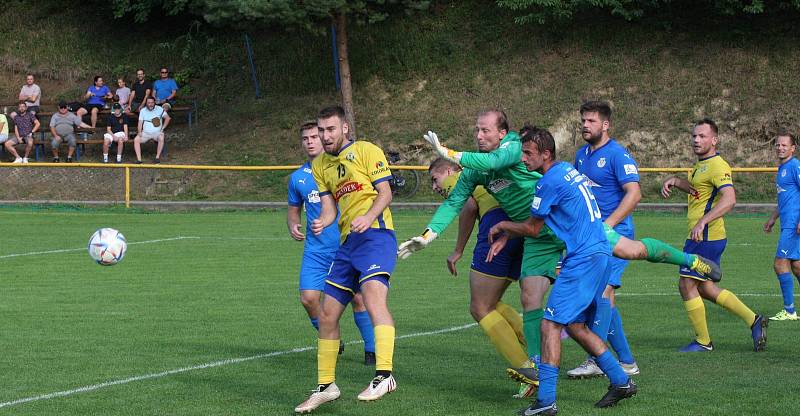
x=152, y=122
x=117, y=130
x=31, y=94
x=122, y=95
x=25, y=124
x=62, y=126
x=96, y=96
x=3, y=128
x=142, y=89
x=165, y=89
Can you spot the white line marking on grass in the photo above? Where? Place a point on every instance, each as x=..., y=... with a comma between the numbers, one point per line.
x=220, y=363
x=68, y=250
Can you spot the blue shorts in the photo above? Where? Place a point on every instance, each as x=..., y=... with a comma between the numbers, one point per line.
x=616, y=266
x=363, y=256
x=580, y=284
x=711, y=250
x=314, y=270
x=788, y=245
x=507, y=263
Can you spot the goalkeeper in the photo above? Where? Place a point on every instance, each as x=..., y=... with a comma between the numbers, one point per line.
x=498, y=167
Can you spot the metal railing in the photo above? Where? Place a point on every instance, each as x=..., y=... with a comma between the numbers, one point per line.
x=128, y=166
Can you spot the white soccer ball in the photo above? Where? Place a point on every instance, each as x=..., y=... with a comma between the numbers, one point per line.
x=107, y=246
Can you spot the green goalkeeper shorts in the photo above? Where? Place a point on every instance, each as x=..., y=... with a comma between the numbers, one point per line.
x=541, y=255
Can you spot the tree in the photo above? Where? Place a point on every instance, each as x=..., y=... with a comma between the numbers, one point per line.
x=312, y=15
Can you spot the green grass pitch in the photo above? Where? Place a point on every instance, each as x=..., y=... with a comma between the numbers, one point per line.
x=202, y=315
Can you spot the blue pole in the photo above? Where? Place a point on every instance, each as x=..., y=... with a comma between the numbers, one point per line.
x=336, y=58
x=252, y=64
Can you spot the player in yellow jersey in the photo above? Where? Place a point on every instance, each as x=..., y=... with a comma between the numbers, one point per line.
x=488, y=281
x=711, y=196
x=354, y=176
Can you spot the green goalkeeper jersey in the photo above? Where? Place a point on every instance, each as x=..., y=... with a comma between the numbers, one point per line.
x=502, y=173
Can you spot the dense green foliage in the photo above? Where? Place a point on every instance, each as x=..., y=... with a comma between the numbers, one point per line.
x=542, y=11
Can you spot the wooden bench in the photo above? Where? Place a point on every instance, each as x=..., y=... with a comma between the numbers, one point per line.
x=190, y=109
x=87, y=136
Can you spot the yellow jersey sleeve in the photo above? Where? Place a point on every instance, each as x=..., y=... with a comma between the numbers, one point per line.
x=375, y=164
x=721, y=174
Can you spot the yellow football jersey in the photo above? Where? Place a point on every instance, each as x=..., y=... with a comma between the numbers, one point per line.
x=707, y=177
x=350, y=177
x=485, y=200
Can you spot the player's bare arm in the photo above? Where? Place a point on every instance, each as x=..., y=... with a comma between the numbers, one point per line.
x=327, y=215
x=381, y=202
x=726, y=202
x=676, y=182
x=502, y=231
x=466, y=223
x=293, y=223
x=633, y=194
x=771, y=221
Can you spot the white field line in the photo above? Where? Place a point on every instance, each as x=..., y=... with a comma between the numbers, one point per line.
x=68, y=250
x=212, y=364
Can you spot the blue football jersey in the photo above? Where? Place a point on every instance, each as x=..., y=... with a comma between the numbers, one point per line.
x=303, y=191
x=788, y=184
x=607, y=169
x=565, y=202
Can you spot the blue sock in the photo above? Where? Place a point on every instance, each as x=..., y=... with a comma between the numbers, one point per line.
x=602, y=318
x=315, y=323
x=364, y=325
x=617, y=339
x=610, y=366
x=548, y=377
x=787, y=288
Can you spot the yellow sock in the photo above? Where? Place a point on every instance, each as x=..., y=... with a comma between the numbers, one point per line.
x=697, y=316
x=384, y=347
x=732, y=304
x=504, y=339
x=514, y=319
x=327, y=353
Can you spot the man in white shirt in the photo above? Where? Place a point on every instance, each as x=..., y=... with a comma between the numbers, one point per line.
x=153, y=120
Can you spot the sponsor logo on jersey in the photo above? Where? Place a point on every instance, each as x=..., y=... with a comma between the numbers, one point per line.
x=779, y=189
x=498, y=185
x=373, y=267
x=601, y=162
x=313, y=197
x=785, y=252
x=347, y=188
x=380, y=167
x=504, y=145
x=783, y=173
x=630, y=169
x=303, y=181
x=536, y=202
x=307, y=170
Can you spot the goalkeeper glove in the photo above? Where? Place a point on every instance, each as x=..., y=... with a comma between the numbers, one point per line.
x=442, y=151
x=416, y=243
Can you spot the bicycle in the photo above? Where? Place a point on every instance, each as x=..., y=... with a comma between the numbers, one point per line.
x=404, y=183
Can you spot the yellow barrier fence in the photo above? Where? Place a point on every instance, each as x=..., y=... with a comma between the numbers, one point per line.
x=128, y=166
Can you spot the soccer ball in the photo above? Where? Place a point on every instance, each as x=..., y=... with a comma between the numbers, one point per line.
x=107, y=246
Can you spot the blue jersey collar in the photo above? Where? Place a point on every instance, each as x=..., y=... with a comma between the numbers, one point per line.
x=589, y=150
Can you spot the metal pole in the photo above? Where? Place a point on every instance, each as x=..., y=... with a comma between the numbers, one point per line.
x=252, y=64
x=336, y=58
x=127, y=187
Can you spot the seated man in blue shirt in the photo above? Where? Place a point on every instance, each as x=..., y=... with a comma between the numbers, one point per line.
x=165, y=89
